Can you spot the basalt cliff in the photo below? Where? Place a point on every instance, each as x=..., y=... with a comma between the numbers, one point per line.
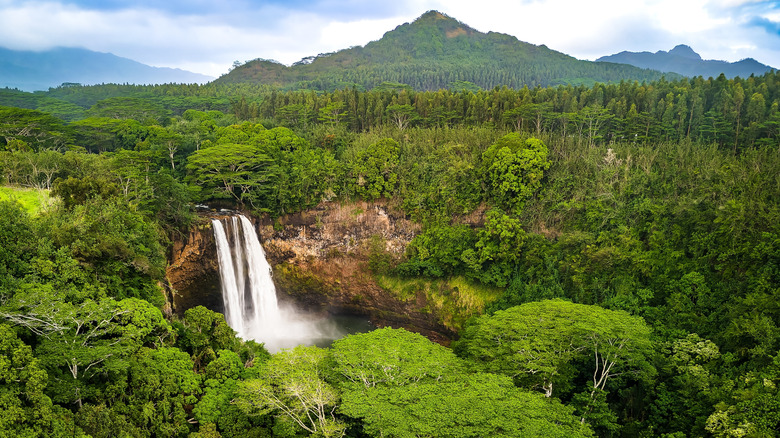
x=320, y=259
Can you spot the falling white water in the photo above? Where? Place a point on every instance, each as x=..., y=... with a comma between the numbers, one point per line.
x=231, y=298
x=238, y=264
x=249, y=294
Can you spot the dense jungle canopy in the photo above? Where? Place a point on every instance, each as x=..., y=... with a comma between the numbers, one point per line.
x=631, y=229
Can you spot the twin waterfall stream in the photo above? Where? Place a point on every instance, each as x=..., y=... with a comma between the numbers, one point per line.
x=249, y=294
x=248, y=291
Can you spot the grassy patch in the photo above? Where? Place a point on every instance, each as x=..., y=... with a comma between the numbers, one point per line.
x=475, y=295
x=406, y=289
x=33, y=200
x=454, y=299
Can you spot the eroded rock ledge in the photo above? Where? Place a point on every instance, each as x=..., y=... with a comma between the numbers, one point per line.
x=320, y=260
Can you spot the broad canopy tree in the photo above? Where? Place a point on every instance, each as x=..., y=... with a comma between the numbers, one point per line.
x=400, y=384
x=371, y=173
x=80, y=342
x=534, y=342
x=229, y=170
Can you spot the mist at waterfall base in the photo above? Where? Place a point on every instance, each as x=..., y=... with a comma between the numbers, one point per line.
x=249, y=295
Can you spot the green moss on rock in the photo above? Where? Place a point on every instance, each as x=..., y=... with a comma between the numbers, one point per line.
x=294, y=281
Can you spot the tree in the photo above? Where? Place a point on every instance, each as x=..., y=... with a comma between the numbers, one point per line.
x=593, y=119
x=143, y=110
x=476, y=405
x=34, y=128
x=512, y=169
x=292, y=383
x=497, y=249
x=25, y=411
x=401, y=115
x=536, y=341
x=688, y=386
x=158, y=194
x=515, y=342
x=393, y=357
x=80, y=343
x=734, y=110
x=77, y=191
x=101, y=134
x=517, y=116
x=752, y=407
x=332, y=113
x=302, y=175
x=160, y=384
x=403, y=385
x=17, y=245
x=372, y=172
x=32, y=169
x=229, y=170
x=163, y=143
x=294, y=115
x=203, y=332
x=437, y=251
x=115, y=243
x=221, y=379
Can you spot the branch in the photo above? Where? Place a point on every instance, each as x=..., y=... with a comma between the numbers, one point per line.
x=38, y=325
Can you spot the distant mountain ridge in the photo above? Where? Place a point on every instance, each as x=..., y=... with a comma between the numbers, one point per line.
x=31, y=71
x=683, y=60
x=435, y=52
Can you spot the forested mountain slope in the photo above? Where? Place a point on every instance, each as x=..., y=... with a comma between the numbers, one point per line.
x=30, y=71
x=435, y=52
x=683, y=60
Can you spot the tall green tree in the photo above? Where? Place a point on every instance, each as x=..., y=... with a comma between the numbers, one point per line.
x=371, y=172
x=512, y=169
x=229, y=171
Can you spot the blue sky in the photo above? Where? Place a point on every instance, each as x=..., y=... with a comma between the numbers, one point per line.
x=207, y=36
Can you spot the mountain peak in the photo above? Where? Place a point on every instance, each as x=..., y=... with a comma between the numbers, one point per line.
x=684, y=51
x=441, y=21
x=683, y=60
x=435, y=15
x=433, y=52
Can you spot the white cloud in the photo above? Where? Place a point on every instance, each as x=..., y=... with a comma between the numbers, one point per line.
x=716, y=29
x=340, y=34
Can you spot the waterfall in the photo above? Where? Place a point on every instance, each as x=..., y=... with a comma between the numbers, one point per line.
x=248, y=291
x=249, y=294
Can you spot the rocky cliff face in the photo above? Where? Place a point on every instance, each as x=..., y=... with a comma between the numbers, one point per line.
x=193, y=272
x=320, y=260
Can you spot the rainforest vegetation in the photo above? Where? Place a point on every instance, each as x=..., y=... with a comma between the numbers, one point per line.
x=632, y=229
